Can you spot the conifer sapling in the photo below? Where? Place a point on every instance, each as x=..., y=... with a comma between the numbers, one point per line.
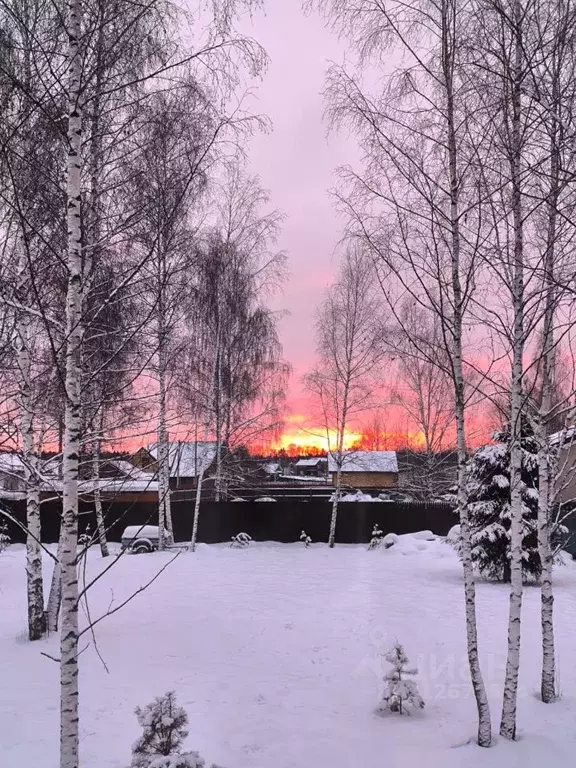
x=305, y=539
x=164, y=723
x=399, y=689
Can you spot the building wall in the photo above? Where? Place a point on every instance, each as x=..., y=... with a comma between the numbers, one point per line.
x=566, y=481
x=367, y=479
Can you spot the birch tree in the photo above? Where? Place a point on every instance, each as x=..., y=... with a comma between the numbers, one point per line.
x=350, y=341
x=413, y=205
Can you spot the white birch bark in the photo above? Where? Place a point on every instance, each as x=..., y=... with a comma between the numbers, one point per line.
x=69, y=741
x=164, y=522
x=34, y=583
x=219, y=415
x=340, y=460
x=196, y=511
x=508, y=719
x=55, y=594
x=100, y=526
x=484, y=736
x=545, y=469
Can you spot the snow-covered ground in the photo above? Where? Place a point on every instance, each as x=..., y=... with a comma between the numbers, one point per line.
x=274, y=653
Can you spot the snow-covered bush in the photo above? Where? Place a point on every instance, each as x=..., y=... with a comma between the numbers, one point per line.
x=164, y=723
x=488, y=489
x=188, y=760
x=305, y=539
x=376, y=539
x=241, y=540
x=5, y=540
x=85, y=539
x=390, y=539
x=399, y=689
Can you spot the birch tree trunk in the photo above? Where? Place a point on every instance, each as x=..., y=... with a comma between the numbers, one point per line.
x=508, y=719
x=545, y=490
x=34, y=583
x=219, y=416
x=196, y=511
x=482, y=705
x=336, y=499
x=55, y=594
x=100, y=526
x=69, y=741
x=164, y=510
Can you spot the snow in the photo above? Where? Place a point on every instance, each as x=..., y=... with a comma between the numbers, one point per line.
x=275, y=655
x=140, y=532
x=187, y=459
x=358, y=496
x=310, y=462
x=365, y=461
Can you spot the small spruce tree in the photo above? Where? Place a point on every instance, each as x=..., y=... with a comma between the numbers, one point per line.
x=488, y=487
x=164, y=723
x=399, y=689
x=305, y=539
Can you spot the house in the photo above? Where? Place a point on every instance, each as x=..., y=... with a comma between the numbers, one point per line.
x=187, y=461
x=366, y=469
x=118, y=479
x=11, y=475
x=566, y=478
x=312, y=467
x=272, y=470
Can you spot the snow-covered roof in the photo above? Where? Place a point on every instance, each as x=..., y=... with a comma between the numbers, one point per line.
x=310, y=462
x=128, y=469
x=11, y=462
x=271, y=468
x=564, y=435
x=365, y=461
x=187, y=459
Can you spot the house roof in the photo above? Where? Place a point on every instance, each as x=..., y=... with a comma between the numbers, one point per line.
x=187, y=459
x=365, y=461
x=11, y=462
x=310, y=462
x=565, y=435
x=271, y=468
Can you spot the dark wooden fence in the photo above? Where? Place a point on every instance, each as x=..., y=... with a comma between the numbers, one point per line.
x=264, y=521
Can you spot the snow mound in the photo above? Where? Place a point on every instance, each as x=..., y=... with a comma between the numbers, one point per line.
x=358, y=496
x=424, y=535
x=453, y=534
x=413, y=544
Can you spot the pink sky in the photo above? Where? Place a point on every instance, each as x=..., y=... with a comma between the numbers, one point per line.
x=296, y=162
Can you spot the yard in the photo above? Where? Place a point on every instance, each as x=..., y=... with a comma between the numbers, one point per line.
x=274, y=653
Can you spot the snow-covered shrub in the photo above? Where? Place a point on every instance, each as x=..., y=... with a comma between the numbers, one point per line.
x=85, y=539
x=453, y=536
x=399, y=689
x=488, y=489
x=305, y=539
x=5, y=539
x=424, y=536
x=390, y=539
x=376, y=539
x=188, y=760
x=164, y=723
x=241, y=540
